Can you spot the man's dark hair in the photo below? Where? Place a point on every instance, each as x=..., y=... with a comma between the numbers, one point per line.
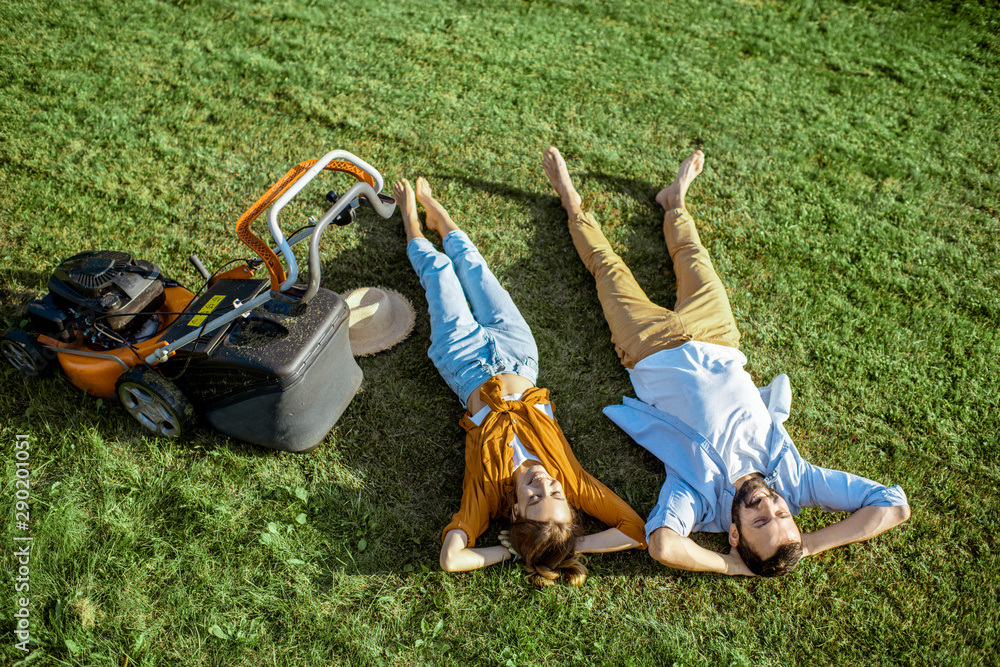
x=781, y=563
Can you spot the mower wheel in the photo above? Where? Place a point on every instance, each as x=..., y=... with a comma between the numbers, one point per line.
x=24, y=353
x=155, y=402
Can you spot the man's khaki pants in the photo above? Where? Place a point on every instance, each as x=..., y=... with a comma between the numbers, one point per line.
x=639, y=327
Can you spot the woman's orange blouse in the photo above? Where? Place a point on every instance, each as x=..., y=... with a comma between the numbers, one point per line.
x=489, y=474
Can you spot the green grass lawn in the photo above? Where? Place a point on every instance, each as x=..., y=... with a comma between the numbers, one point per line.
x=850, y=200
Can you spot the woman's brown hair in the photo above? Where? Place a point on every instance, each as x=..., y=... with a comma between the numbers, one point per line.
x=549, y=551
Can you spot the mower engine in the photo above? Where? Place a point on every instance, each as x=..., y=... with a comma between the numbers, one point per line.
x=107, y=296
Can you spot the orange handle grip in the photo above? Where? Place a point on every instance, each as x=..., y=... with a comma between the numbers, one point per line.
x=255, y=243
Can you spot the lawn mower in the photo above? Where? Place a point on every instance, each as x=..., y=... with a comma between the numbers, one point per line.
x=263, y=359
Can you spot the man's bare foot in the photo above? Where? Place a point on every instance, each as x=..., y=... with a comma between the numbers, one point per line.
x=437, y=217
x=403, y=193
x=672, y=196
x=555, y=168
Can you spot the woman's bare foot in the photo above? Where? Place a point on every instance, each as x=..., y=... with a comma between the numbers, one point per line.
x=555, y=168
x=672, y=196
x=437, y=217
x=403, y=193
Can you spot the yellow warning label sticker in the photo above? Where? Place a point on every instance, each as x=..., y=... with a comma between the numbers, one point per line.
x=209, y=306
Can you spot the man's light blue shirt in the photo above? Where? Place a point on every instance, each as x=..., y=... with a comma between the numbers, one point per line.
x=697, y=495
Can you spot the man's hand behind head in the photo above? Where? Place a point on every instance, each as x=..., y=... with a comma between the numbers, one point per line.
x=735, y=565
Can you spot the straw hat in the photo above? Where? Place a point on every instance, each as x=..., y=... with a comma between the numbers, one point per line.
x=380, y=318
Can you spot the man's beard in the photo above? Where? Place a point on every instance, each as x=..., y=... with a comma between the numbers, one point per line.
x=745, y=492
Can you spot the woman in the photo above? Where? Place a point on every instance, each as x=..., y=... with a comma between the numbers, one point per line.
x=518, y=465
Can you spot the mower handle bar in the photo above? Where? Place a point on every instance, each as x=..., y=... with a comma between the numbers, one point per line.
x=296, y=187
x=305, y=233
x=385, y=206
x=382, y=206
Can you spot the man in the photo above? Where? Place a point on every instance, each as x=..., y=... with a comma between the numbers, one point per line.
x=731, y=466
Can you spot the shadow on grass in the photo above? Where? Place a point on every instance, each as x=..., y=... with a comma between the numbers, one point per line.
x=14, y=303
x=637, y=238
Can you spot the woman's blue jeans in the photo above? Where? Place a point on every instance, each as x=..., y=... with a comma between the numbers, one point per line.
x=476, y=330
